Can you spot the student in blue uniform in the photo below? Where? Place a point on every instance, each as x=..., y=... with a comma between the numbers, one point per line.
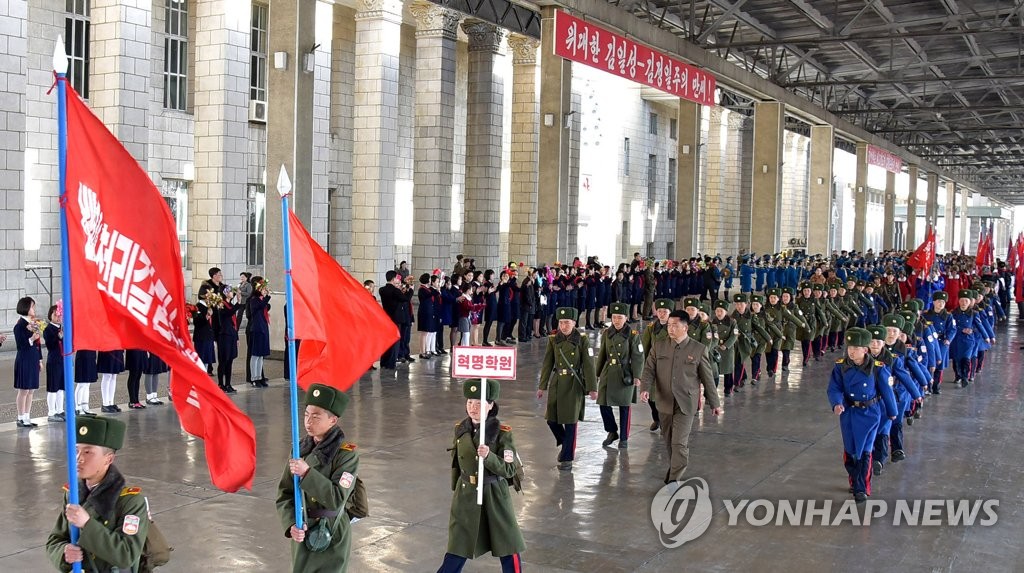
x=860, y=394
x=259, y=319
x=746, y=275
x=728, y=271
x=53, y=338
x=760, y=272
x=28, y=361
x=964, y=346
x=904, y=389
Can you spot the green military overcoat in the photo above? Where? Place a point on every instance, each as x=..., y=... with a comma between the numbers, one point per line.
x=567, y=375
x=474, y=530
x=620, y=361
x=727, y=333
x=333, y=467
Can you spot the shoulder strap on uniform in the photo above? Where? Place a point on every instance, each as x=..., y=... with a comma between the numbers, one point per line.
x=841, y=361
x=348, y=447
x=131, y=491
x=506, y=428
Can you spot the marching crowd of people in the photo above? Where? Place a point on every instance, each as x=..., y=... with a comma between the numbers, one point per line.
x=670, y=333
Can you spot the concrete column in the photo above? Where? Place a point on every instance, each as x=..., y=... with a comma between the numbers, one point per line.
x=819, y=199
x=860, y=200
x=931, y=207
x=889, y=211
x=119, y=72
x=553, y=167
x=767, y=176
x=217, y=205
x=483, y=145
x=687, y=182
x=20, y=178
x=950, y=213
x=436, y=35
x=522, y=235
x=291, y=26
x=375, y=137
x=911, y=242
x=965, y=197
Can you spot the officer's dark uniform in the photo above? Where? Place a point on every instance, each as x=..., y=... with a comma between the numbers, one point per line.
x=113, y=538
x=862, y=390
x=620, y=361
x=569, y=368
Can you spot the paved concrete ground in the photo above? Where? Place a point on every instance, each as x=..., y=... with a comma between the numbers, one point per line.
x=775, y=441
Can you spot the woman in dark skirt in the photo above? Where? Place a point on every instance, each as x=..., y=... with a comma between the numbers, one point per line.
x=426, y=316
x=490, y=304
x=259, y=318
x=202, y=334
x=85, y=375
x=154, y=368
x=53, y=338
x=226, y=320
x=135, y=362
x=29, y=360
x=109, y=364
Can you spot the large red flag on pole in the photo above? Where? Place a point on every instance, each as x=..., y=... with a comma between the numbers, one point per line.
x=981, y=255
x=1011, y=255
x=923, y=257
x=329, y=302
x=128, y=287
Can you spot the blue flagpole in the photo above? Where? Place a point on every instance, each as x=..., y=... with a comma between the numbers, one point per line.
x=284, y=187
x=60, y=62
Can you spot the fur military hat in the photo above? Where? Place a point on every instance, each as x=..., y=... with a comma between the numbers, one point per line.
x=773, y=291
x=818, y=286
x=99, y=431
x=893, y=320
x=919, y=303
x=471, y=389
x=721, y=304
x=966, y=293
x=664, y=303
x=940, y=295
x=566, y=313
x=806, y=284
x=756, y=298
x=740, y=297
x=787, y=290
x=909, y=319
x=877, y=331
x=857, y=337
x=691, y=301
x=705, y=307
x=619, y=308
x=862, y=284
x=331, y=399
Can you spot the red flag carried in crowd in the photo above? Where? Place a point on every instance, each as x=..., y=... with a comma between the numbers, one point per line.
x=127, y=287
x=982, y=254
x=923, y=257
x=1011, y=256
x=342, y=328
x=1018, y=280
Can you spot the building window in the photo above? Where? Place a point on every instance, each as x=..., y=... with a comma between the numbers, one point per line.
x=652, y=127
x=176, y=55
x=175, y=193
x=76, y=44
x=650, y=250
x=652, y=181
x=255, y=226
x=670, y=251
x=673, y=127
x=258, y=54
x=670, y=204
x=625, y=156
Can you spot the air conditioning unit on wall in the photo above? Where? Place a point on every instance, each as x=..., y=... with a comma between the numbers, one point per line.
x=257, y=111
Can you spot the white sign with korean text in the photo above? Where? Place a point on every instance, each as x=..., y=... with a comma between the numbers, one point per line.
x=496, y=362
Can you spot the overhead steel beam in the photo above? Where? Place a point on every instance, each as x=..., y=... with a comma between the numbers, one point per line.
x=929, y=109
x=910, y=80
x=820, y=40
x=509, y=15
x=951, y=129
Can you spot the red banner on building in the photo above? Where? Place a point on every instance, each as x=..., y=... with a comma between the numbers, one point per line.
x=884, y=159
x=590, y=44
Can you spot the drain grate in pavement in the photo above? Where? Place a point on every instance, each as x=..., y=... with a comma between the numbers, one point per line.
x=197, y=492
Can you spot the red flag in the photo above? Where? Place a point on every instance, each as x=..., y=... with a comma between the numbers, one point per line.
x=329, y=303
x=990, y=251
x=1011, y=260
x=127, y=287
x=979, y=256
x=923, y=257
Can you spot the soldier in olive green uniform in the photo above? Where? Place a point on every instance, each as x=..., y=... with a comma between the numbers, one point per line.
x=474, y=530
x=620, y=361
x=327, y=471
x=838, y=317
x=704, y=332
x=766, y=332
x=568, y=368
x=112, y=519
x=824, y=321
x=808, y=312
x=853, y=312
x=747, y=341
x=657, y=330
x=728, y=335
x=792, y=322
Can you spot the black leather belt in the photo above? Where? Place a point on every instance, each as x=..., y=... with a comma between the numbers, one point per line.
x=321, y=513
x=867, y=404
x=488, y=478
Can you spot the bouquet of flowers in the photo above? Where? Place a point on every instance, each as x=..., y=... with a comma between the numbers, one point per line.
x=37, y=325
x=213, y=300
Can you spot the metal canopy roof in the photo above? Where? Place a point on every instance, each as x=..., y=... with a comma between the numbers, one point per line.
x=942, y=78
